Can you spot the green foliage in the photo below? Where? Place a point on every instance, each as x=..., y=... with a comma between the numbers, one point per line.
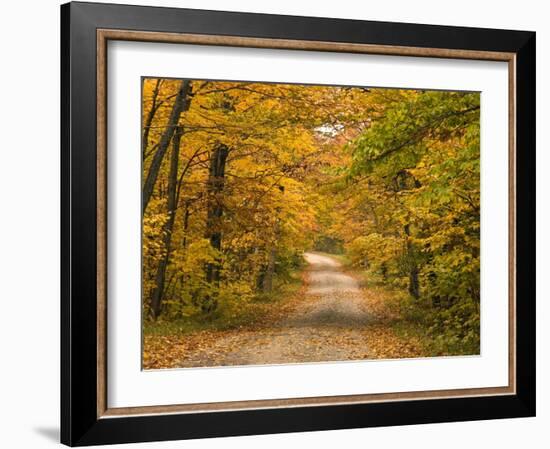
x=448, y=329
x=376, y=252
x=420, y=210
x=328, y=244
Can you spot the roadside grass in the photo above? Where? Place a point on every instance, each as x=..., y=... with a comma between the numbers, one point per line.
x=262, y=309
x=433, y=346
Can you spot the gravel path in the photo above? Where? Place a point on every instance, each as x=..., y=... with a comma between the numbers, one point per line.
x=328, y=325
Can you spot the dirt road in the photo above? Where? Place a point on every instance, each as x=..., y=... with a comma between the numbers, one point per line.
x=331, y=322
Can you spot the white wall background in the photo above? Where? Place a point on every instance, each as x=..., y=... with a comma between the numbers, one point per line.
x=29, y=223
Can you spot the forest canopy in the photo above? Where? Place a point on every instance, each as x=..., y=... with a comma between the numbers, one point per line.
x=241, y=178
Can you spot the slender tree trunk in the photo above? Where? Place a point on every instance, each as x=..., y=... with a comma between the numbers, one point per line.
x=414, y=287
x=267, y=281
x=186, y=215
x=384, y=271
x=215, y=185
x=171, y=205
x=267, y=275
x=149, y=119
x=181, y=104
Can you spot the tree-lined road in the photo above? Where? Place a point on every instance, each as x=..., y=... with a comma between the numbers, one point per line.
x=331, y=322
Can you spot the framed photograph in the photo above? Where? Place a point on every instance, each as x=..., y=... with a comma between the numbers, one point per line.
x=280, y=224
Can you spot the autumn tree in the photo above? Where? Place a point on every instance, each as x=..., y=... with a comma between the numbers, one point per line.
x=422, y=157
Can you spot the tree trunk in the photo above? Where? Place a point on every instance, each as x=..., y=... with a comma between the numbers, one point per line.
x=181, y=104
x=171, y=206
x=267, y=281
x=186, y=215
x=414, y=287
x=215, y=184
x=149, y=119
